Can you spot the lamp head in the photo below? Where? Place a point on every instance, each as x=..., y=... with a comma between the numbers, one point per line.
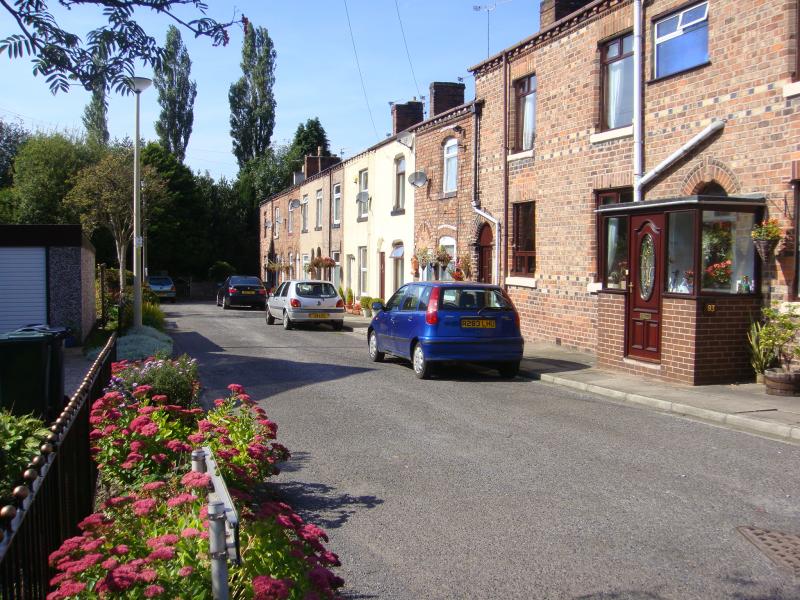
x=140, y=84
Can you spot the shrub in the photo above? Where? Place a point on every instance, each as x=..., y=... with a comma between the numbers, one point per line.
x=152, y=315
x=220, y=271
x=176, y=379
x=377, y=300
x=366, y=302
x=349, y=299
x=137, y=347
x=341, y=293
x=20, y=439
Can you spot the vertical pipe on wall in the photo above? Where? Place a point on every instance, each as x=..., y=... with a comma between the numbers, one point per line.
x=505, y=175
x=638, y=142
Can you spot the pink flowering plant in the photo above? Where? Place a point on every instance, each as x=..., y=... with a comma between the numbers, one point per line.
x=174, y=378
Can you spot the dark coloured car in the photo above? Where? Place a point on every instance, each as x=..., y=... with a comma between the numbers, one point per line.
x=430, y=322
x=242, y=290
x=163, y=287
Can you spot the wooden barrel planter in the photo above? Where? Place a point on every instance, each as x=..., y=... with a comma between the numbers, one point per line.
x=782, y=383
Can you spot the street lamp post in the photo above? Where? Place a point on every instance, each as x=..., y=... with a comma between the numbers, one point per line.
x=138, y=84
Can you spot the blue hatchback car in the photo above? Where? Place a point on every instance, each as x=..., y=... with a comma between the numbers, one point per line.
x=440, y=321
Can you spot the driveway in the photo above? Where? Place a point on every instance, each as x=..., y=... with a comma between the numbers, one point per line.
x=469, y=486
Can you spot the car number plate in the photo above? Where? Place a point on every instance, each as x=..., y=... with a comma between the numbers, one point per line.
x=478, y=323
x=319, y=315
x=248, y=292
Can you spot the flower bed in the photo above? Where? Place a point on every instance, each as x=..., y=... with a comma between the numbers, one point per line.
x=149, y=539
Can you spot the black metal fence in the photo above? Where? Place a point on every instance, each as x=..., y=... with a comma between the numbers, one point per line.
x=58, y=492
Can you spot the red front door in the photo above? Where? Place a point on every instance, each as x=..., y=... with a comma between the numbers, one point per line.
x=485, y=240
x=646, y=281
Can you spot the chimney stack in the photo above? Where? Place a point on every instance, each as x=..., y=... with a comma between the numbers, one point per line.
x=445, y=95
x=406, y=115
x=314, y=164
x=551, y=11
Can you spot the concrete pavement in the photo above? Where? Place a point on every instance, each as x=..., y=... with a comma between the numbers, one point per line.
x=744, y=407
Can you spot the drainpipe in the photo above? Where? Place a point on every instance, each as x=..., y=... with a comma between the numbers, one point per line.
x=711, y=129
x=505, y=173
x=476, y=113
x=638, y=142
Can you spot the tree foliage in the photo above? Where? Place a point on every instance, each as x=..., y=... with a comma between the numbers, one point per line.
x=95, y=118
x=103, y=197
x=251, y=99
x=12, y=136
x=43, y=172
x=308, y=138
x=62, y=56
x=176, y=94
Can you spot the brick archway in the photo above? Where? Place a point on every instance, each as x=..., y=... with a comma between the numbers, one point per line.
x=705, y=171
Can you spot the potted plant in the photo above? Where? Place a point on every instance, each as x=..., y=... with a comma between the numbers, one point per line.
x=443, y=257
x=766, y=236
x=349, y=299
x=779, y=334
x=762, y=355
x=366, y=305
x=424, y=257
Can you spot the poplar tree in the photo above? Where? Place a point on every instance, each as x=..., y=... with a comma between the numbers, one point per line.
x=95, y=117
x=176, y=94
x=251, y=99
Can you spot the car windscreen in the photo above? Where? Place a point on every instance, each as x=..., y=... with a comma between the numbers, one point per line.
x=315, y=290
x=466, y=298
x=245, y=281
x=159, y=281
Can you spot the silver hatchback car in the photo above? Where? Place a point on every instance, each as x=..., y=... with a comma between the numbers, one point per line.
x=306, y=301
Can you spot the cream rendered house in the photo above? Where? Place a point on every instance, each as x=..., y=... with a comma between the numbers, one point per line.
x=356, y=260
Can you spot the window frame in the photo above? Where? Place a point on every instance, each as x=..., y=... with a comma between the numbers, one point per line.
x=319, y=210
x=529, y=255
x=522, y=89
x=337, y=203
x=290, y=219
x=363, y=186
x=362, y=271
x=605, y=63
x=399, y=183
x=616, y=195
x=304, y=214
x=680, y=30
x=276, y=223
x=450, y=142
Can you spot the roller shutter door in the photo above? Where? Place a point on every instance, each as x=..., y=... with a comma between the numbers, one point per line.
x=23, y=287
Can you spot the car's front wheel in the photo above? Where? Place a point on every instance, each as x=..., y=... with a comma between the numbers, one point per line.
x=374, y=355
x=509, y=369
x=287, y=322
x=422, y=368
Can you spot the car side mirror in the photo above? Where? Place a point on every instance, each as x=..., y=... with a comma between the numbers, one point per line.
x=378, y=306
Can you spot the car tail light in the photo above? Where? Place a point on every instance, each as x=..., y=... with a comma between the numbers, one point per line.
x=432, y=315
x=262, y=292
x=514, y=308
x=172, y=288
x=295, y=303
x=232, y=290
x=340, y=303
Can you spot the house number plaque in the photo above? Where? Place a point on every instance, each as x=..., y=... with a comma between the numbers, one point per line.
x=709, y=307
x=644, y=316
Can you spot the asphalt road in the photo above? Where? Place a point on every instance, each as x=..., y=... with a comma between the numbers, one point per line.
x=469, y=486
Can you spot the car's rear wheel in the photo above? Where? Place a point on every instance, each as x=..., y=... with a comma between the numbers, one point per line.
x=217, y=300
x=225, y=304
x=374, y=355
x=337, y=325
x=270, y=318
x=509, y=369
x=287, y=322
x=422, y=369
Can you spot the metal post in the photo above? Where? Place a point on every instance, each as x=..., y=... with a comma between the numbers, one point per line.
x=199, y=461
x=137, y=227
x=219, y=551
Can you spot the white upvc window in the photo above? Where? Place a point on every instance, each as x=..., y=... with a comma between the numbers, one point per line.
x=450, y=152
x=319, y=209
x=276, y=222
x=400, y=183
x=290, y=219
x=681, y=40
x=363, y=186
x=305, y=262
x=362, y=270
x=304, y=213
x=337, y=203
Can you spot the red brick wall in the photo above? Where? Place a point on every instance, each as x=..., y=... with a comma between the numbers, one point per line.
x=722, y=353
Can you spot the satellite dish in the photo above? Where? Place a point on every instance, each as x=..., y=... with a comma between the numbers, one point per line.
x=362, y=197
x=418, y=179
x=406, y=138
x=294, y=204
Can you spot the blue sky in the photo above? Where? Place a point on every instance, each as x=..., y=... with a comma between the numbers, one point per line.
x=316, y=71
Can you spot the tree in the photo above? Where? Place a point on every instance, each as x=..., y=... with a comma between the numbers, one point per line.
x=12, y=137
x=103, y=196
x=308, y=138
x=251, y=99
x=95, y=115
x=176, y=95
x=43, y=172
x=61, y=56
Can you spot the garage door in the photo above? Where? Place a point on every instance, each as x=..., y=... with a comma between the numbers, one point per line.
x=23, y=280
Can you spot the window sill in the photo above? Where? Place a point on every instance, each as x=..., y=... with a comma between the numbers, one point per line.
x=447, y=195
x=304, y=231
x=684, y=72
x=520, y=155
x=398, y=211
x=318, y=228
x=336, y=226
x=361, y=219
x=611, y=134
x=527, y=282
x=791, y=89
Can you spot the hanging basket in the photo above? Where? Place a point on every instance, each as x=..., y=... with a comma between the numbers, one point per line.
x=765, y=248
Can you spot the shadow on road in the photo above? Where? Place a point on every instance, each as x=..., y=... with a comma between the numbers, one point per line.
x=321, y=504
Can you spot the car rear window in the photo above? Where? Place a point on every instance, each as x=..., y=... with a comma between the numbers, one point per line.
x=465, y=298
x=159, y=281
x=315, y=290
x=245, y=281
